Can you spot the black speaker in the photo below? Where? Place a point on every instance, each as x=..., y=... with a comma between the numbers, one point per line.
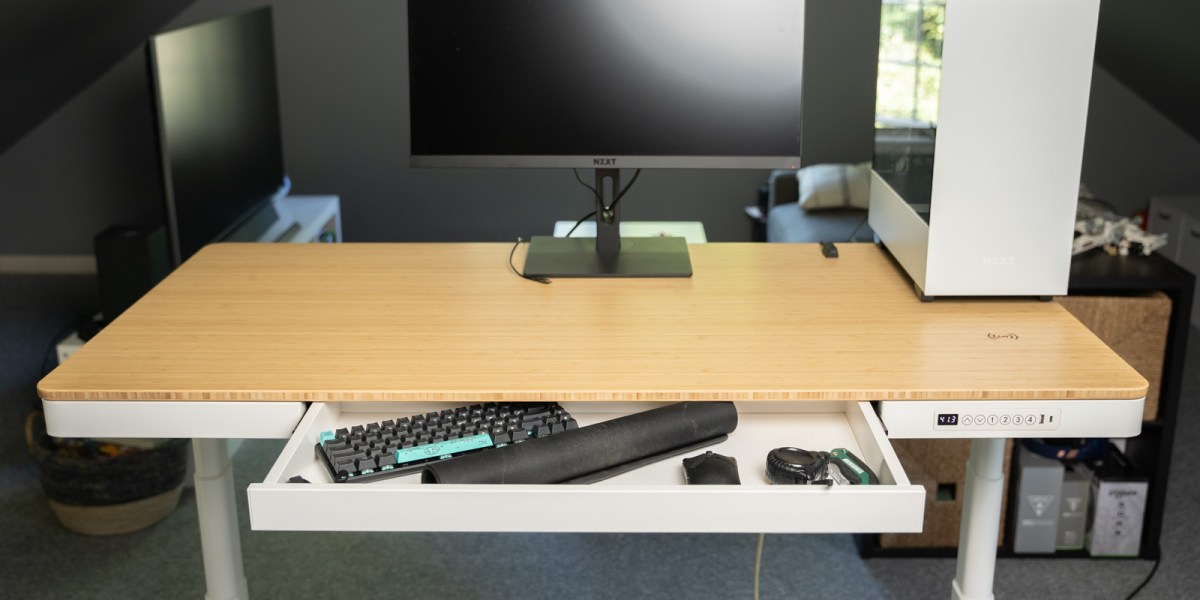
x=129, y=261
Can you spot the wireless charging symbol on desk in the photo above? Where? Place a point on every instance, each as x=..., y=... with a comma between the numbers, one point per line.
x=1003, y=336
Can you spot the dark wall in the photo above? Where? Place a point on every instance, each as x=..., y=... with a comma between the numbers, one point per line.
x=841, y=56
x=90, y=165
x=1153, y=47
x=1133, y=152
x=50, y=50
x=343, y=88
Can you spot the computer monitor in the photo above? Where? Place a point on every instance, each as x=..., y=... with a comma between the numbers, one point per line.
x=217, y=110
x=606, y=84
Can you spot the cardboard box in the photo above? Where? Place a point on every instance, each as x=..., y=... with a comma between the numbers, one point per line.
x=1039, y=503
x=1119, y=495
x=1073, y=521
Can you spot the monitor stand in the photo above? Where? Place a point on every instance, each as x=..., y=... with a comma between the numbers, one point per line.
x=608, y=254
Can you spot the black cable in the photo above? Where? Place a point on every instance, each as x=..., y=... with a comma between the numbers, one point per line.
x=580, y=222
x=856, y=228
x=1149, y=575
x=623, y=190
x=537, y=278
x=596, y=193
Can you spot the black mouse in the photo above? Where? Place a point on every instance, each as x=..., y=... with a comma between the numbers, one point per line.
x=711, y=468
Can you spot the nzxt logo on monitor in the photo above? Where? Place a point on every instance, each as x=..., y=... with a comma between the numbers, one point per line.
x=611, y=162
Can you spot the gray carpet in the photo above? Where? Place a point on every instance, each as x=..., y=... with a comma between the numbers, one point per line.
x=42, y=560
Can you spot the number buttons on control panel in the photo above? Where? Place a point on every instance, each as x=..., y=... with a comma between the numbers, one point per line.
x=997, y=420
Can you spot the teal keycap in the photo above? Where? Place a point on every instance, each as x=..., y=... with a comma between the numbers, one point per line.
x=326, y=436
x=446, y=448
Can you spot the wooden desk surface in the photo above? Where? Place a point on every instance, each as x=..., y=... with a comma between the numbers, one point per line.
x=317, y=322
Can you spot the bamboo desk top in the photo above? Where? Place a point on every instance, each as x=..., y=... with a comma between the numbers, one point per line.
x=337, y=322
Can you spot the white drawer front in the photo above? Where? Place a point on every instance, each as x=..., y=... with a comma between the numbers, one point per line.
x=653, y=498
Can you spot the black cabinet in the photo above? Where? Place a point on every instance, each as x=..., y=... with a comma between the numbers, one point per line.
x=1098, y=274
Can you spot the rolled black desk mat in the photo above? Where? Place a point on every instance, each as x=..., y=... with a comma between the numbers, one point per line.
x=578, y=452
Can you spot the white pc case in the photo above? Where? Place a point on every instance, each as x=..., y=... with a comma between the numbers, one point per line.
x=1016, y=76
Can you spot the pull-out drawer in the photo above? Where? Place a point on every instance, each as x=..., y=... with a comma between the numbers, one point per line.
x=652, y=498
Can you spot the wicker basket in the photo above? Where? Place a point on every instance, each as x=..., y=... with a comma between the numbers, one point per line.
x=108, y=495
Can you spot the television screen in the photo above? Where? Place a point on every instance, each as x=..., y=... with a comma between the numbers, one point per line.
x=218, y=125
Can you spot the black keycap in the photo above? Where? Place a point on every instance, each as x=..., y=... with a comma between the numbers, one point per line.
x=542, y=414
x=368, y=452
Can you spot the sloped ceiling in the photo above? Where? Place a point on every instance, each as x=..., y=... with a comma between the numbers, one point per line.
x=1153, y=47
x=50, y=50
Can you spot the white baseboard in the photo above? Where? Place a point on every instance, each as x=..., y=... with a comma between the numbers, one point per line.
x=48, y=264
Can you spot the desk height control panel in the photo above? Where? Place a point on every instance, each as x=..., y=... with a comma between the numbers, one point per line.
x=998, y=419
x=1009, y=419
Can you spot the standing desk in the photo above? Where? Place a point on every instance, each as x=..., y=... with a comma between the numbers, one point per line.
x=286, y=341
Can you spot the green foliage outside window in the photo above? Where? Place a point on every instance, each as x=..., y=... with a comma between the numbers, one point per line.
x=910, y=61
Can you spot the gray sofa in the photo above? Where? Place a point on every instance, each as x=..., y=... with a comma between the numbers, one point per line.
x=787, y=221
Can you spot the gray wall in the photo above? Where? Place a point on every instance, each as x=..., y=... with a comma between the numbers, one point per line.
x=90, y=165
x=50, y=50
x=342, y=76
x=1133, y=152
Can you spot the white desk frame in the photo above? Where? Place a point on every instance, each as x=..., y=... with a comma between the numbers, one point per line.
x=210, y=423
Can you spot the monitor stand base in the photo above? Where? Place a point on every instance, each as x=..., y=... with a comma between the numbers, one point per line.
x=577, y=257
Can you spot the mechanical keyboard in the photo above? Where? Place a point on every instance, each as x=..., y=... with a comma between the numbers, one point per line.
x=374, y=451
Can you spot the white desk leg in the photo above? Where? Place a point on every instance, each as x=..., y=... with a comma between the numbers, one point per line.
x=980, y=528
x=219, y=543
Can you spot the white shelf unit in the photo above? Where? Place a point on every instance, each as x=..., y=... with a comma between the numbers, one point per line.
x=306, y=219
x=1179, y=218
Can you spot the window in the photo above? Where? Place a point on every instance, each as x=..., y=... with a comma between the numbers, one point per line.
x=910, y=62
